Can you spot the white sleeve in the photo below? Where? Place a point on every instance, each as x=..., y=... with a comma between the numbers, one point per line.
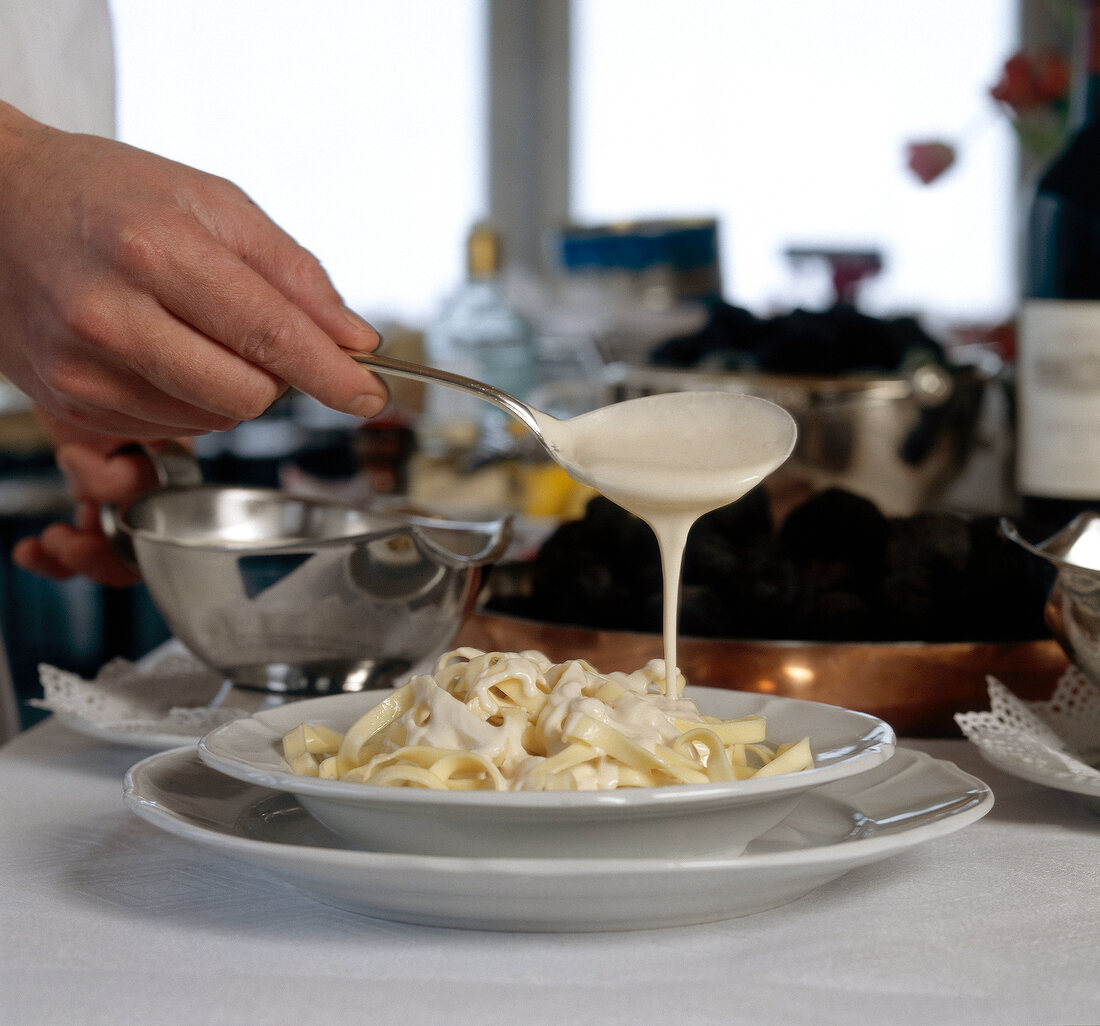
x=57, y=62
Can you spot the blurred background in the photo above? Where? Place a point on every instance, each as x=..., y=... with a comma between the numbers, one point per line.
x=640, y=165
x=378, y=131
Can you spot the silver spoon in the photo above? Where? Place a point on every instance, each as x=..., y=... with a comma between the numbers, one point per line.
x=770, y=437
x=537, y=422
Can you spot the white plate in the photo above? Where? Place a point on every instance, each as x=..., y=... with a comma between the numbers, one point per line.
x=673, y=821
x=178, y=726
x=164, y=700
x=1048, y=774
x=907, y=801
x=152, y=736
x=1053, y=743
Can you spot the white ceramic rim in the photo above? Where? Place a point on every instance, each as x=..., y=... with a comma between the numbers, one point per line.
x=128, y=734
x=574, y=894
x=868, y=741
x=1066, y=781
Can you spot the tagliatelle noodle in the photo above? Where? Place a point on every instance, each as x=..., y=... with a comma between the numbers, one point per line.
x=515, y=721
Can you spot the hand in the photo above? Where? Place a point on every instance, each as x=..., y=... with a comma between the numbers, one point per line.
x=95, y=477
x=145, y=299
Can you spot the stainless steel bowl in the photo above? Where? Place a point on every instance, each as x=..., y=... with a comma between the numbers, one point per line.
x=900, y=440
x=298, y=595
x=1072, y=608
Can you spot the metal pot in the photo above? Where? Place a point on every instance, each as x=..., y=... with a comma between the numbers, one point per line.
x=1072, y=608
x=299, y=595
x=900, y=440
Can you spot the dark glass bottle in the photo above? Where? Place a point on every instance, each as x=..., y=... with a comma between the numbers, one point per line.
x=1058, y=365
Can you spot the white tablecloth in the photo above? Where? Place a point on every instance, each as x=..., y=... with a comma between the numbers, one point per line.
x=105, y=919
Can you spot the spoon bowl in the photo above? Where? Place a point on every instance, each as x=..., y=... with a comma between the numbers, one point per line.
x=617, y=448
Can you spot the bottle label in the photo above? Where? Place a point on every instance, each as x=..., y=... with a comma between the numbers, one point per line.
x=1058, y=395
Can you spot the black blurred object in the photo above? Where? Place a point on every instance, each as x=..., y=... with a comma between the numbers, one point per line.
x=836, y=570
x=839, y=340
x=328, y=455
x=383, y=448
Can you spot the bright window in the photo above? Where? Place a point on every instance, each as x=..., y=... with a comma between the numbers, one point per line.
x=358, y=126
x=788, y=121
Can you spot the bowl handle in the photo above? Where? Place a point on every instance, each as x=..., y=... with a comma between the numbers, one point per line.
x=475, y=546
x=176, y=467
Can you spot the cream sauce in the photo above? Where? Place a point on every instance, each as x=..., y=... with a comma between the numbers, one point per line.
x=669, y=459
x=457, y=721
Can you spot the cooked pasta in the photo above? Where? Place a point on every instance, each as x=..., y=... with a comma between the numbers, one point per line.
x=514, y=721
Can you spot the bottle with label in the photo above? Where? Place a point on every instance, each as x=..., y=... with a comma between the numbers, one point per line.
x=478, y=333
x=1058, y=363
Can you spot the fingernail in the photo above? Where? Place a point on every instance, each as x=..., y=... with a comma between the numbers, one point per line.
x=367, y=405
x=361, y=323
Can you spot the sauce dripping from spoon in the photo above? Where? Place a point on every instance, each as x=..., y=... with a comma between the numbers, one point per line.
x=669, y=459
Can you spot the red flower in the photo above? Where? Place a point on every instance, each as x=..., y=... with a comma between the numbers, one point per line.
x=929, y=160
x=1050, y=72
x=1032, y=80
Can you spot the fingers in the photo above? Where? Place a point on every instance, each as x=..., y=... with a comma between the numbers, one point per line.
x=95, y=477
x=113, y=422
x=299, y=276
x=273, y=306
x=95, y=389
x=145, y=298
x=114, y=479
x=68, y=550
x=255, y=321
x=121, y=353
x=292, y=270
x=62, y=432
x=63, y=551
x=30, y=554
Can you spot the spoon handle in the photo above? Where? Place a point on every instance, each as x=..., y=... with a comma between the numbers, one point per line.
x=418, y=372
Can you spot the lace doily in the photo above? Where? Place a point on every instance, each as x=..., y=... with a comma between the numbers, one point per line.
x=1056, y=742
x=167, y=694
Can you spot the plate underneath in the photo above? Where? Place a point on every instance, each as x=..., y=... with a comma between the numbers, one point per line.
x=154, y=737
x=1085, y=788
x=909, y=800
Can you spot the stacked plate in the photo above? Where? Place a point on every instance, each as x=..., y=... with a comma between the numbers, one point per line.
x=560, y=861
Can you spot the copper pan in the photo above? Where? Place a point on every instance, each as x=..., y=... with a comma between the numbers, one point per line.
x=916, y=687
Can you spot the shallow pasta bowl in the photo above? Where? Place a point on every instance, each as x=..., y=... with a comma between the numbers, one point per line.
x=673, y=821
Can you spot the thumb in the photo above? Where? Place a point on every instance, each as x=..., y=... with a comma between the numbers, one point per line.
x=98, y=477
